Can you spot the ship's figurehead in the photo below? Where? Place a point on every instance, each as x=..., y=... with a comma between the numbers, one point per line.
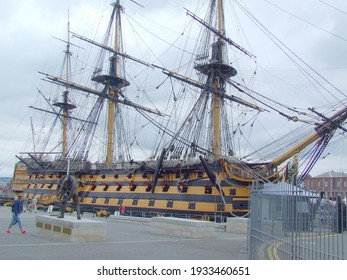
x=292, y=170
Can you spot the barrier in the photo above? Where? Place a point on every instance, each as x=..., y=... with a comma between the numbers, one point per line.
x=182, y=227
x=237, y=225
x=70, y=229
x=129, y=219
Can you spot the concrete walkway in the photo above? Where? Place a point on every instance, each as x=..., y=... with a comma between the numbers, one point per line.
x=125, y=241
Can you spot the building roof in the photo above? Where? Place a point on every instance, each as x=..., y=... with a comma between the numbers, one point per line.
x=331, y=174
x=283, y=188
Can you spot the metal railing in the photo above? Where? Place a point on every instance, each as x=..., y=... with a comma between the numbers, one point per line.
x=290, y=223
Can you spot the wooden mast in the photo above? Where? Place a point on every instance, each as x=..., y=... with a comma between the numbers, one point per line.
x=216, y=100
x=113, y=93
x=66, y=92
x=217, y=70
x=115, y=83
x=64, y=105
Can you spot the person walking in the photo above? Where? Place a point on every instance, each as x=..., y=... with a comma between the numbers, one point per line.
x=34, y=203
x=25, y=203
x=17, y=209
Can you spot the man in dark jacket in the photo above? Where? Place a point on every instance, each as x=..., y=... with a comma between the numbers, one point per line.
x=17, y=209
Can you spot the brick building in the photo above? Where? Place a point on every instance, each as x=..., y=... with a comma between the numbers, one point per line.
x=331, y=183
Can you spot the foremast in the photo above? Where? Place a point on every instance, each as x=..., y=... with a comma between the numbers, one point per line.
x=115, y=80
x=217, y=83
x=216, y=99
x=217, y=71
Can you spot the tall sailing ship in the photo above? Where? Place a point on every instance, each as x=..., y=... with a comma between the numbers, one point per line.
x=196, y=168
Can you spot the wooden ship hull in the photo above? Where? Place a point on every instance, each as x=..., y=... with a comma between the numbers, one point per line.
x=186, y=191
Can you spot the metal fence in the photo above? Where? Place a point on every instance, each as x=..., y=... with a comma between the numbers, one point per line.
x=290, y=223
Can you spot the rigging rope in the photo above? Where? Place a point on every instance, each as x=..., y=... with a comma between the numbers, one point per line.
x=283, y=48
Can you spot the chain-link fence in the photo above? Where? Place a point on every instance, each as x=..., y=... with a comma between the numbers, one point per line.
x=291, y=223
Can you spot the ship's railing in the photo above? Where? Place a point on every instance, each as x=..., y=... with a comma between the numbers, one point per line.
x=289, y=223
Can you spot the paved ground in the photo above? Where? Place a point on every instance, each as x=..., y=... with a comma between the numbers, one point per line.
x=124, y=241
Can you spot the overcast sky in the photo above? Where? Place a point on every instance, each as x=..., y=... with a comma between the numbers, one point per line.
x=314, y=29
